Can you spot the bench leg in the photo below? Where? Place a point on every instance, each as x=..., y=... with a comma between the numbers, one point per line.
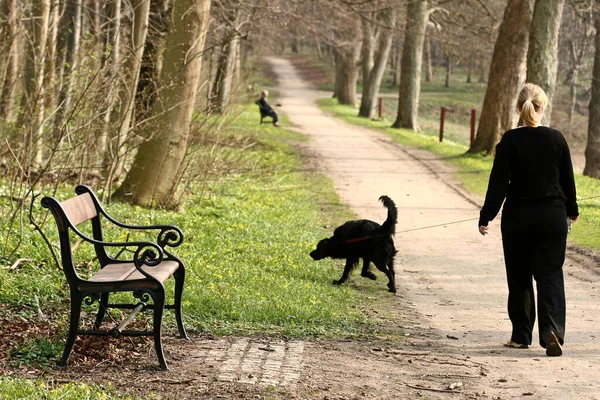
x=101, y=310
x=159, y=304
x=179, y=279
x=73, y=327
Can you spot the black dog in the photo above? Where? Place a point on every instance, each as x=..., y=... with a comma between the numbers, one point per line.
x=363, y=239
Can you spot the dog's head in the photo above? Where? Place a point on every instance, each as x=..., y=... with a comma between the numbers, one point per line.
x=321, y=251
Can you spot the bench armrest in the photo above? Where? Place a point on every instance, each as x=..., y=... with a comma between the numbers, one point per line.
x=147, y=253
x=169, y=235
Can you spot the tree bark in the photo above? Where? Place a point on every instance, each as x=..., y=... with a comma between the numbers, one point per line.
x=347, y=73
x=72, y=29
x=224, y=79
x=542, y=56
x=592, y=150
x=159, y=21
x=412, y=57
x=428, y=67
x=126, y=91
x=367, y=50
x=448, y=71
x=9, y=12
x=373, y=82
x=112, y=69
x=156, y=172
x=507, y=73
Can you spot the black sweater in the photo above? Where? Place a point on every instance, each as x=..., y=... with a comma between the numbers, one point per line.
x=532, y=168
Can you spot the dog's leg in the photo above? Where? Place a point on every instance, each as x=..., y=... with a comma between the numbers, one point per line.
x=381, y=265
x=390, y=265
x=365, y=269
x=350, y=264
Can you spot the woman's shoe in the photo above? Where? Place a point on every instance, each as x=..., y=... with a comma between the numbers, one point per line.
x=553, y=348
x=516, y=345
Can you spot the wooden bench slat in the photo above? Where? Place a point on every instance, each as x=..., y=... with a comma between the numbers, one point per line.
x=128, y=272
x=113, y=272
x=161, y=272
x=79, y=209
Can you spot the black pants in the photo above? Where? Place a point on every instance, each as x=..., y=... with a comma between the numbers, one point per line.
x=534, y=241
x=273, y=114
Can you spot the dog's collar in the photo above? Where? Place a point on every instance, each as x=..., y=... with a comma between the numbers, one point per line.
x=360, y=239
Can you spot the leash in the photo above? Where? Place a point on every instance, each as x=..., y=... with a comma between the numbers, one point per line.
x=363, y=238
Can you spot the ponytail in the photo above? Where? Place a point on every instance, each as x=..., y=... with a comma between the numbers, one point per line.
x=532, y=100
x=529, y=115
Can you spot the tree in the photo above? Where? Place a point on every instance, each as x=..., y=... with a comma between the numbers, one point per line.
x=542, y=56
x=172, y=115
x=230, y=49
x=126, y=89
x=71, y=25
x=372, y=79
x=412, y=57
x=592, y=150
x=507, y=73
x=9, y=13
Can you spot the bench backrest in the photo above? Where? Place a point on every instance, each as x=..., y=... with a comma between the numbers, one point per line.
x=79, y=209
x=68, y=214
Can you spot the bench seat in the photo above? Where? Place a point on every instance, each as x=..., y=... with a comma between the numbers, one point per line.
x=128, y=272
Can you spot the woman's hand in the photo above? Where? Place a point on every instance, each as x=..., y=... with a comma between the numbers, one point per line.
x=574, y=218
x=483, y=229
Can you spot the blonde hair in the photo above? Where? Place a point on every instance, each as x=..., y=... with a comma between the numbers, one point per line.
x=532, y=100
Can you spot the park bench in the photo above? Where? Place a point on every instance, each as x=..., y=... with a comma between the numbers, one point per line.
x=264, y=112
x=144, y=275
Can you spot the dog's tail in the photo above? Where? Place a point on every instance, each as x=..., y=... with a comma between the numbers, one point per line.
x=389, y=226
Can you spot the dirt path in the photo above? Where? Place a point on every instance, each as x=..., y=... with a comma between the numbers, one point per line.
x=451, y=277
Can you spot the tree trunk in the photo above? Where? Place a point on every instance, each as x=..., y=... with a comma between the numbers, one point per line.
x=72, y=31
x=223, y=84
x=41, y=38
x=367, y=50
x=9, y=12
x=448, y=71
x=122, y=117
x=592, y=150
x=412, y=57
x=156, y=172
x=542, y=56
x=112, y=69
x=470, y=68
x=51, y=58
x=373, y=83
x=507, y=73
x=319, y=51
x=428, y=67
x=482, y=69
x=159, y=21
x=347, y=74
x=573, y=92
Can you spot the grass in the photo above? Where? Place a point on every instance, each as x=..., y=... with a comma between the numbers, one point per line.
x=247, y=239
x=35, y=389
x=472, y=171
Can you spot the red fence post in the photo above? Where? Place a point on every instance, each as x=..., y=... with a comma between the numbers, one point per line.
x=473, y=112
x=379, y=106
x=442, y=116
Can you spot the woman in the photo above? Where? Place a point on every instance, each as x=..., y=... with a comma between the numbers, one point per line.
x=533, y=172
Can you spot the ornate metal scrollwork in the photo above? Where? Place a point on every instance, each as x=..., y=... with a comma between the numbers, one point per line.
x=171, y=237
x=143, y=295
x=147, y=255
x=91, y=298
